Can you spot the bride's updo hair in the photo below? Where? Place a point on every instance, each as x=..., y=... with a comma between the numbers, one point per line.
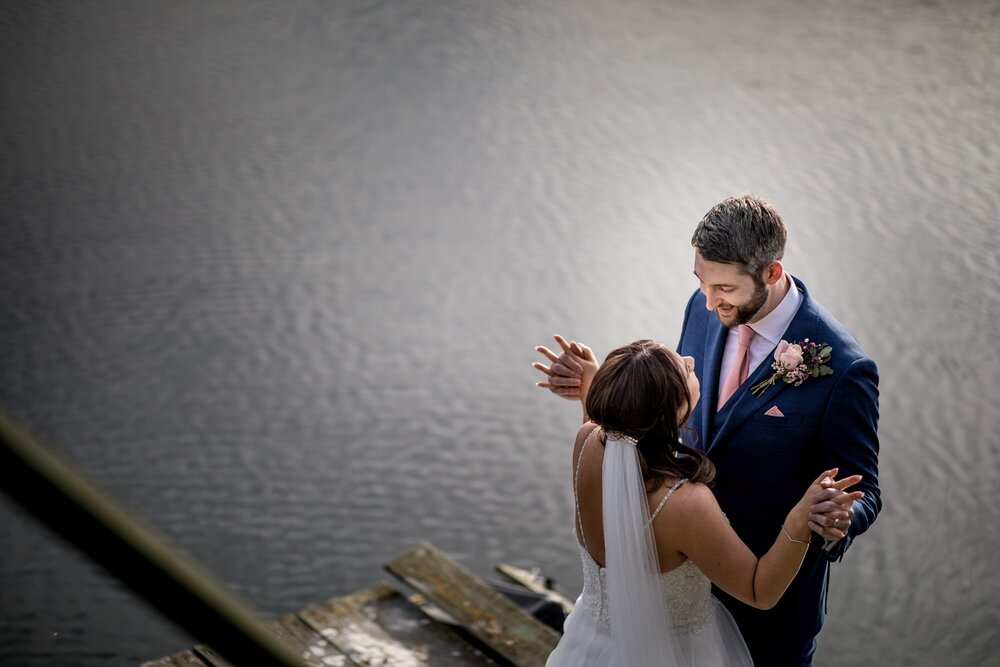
x=638, y=392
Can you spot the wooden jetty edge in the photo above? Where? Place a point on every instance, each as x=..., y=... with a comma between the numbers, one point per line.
x=454, y=619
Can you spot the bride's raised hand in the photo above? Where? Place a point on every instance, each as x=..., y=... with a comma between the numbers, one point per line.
x=564, y=375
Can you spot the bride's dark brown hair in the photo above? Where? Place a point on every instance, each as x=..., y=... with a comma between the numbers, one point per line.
x=639, y=391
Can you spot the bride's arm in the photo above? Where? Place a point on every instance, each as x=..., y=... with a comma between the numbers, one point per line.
x=704, y=535
x=584, y=356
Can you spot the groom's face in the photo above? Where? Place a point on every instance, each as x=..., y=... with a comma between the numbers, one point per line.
x=729, y=291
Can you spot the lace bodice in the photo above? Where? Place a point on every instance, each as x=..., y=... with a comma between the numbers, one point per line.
x=686, y=590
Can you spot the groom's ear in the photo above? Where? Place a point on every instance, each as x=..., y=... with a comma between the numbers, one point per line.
x=773, y=272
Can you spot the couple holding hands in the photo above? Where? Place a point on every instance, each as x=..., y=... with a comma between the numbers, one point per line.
x=715, y=484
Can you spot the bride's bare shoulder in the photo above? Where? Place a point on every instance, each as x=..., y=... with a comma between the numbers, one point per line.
x=593, y=455
x=585, y=431
x=695, y=498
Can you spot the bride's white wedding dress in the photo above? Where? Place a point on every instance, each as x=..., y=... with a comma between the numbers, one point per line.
x=702, y=632
x=703, y=629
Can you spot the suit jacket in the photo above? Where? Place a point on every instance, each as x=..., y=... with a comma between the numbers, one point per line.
x=765, y=463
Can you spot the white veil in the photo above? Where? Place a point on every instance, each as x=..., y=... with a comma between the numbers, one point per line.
x=640, y=625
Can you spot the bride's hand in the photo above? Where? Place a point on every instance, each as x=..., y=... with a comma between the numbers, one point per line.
x=836, y=502
x=563, y=376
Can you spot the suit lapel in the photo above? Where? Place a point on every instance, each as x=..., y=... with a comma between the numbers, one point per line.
x=745, y=404
x=714, y=348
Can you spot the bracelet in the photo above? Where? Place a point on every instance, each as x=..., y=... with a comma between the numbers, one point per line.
x=792, y=539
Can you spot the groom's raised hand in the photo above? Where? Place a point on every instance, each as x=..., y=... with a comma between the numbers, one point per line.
x=832, y=509
x=564, y=376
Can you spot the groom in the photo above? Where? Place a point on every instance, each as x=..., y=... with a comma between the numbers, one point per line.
x=768, y=447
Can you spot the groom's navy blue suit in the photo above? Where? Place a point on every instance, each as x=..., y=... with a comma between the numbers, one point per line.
x=765, y=463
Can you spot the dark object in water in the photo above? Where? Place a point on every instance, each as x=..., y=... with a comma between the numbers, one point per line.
x=539, y=605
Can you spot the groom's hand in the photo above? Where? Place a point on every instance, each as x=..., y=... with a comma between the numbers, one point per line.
x=832, y=508
x=564, y=376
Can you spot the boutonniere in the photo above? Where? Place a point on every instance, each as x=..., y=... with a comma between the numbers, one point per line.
x=794, y=363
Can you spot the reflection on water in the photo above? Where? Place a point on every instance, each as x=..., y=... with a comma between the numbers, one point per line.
x=273, y=274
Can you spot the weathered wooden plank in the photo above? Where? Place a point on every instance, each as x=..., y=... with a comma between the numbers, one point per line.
x=210, y=656
x=534, y=581
x=315, y=650
x=486, y=614
x=444, y=642
x=379, y=626
x=186, y=658
x=434, y=613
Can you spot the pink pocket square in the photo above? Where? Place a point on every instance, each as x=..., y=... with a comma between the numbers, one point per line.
x=774, y=412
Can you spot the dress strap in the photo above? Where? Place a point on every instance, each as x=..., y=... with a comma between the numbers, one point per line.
x=666, y=496
x=576, y=487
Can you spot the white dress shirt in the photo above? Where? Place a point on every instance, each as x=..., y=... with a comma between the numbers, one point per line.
x=769, y=330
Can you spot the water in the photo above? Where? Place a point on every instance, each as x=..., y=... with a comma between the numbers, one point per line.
x=272, y=275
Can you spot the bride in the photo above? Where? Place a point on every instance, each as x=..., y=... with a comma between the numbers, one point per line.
x=648, y=564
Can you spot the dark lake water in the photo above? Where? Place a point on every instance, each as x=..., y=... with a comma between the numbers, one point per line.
x=272, y=274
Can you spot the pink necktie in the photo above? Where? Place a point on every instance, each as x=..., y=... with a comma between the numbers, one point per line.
x=740, y=369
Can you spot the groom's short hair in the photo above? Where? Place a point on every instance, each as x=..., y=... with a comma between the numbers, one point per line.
x=744, y=230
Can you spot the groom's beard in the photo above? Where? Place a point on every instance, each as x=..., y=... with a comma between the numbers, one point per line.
x=746, y=312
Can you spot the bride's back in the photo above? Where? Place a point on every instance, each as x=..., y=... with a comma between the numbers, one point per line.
x=588, y=460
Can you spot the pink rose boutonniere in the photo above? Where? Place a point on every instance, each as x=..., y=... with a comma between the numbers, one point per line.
x=794, y=363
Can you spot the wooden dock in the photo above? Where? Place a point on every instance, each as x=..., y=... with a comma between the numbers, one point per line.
x=452, y=618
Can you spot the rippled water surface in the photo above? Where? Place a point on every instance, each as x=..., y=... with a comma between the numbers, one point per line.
x=272, y=273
